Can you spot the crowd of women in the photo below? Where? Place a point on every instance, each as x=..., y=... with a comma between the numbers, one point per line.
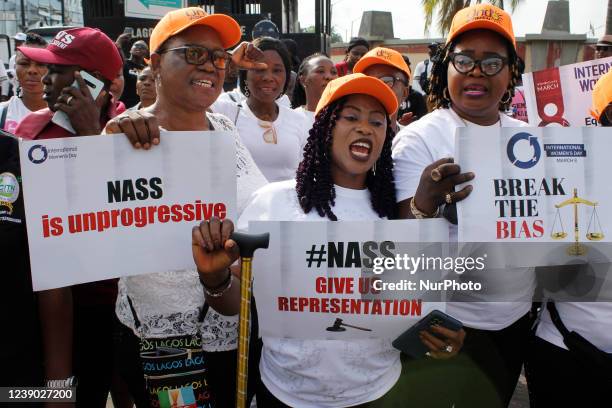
x=341, y=154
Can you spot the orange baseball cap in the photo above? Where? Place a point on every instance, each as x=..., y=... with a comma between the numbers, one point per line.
x=602, y=95
x=178, y=20
x=358, y=84
x=384, y=56
x=482, y=16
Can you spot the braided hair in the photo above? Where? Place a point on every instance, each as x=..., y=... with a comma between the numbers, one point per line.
x=299, y=93
x=315, y=185
x=439, y=96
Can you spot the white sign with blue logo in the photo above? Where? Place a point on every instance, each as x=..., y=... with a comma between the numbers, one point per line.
x=96, y=208
x=536, y=185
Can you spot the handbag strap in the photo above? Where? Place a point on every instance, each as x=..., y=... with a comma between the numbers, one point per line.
x=4, y=109
x=237, y=113
x=556, y=319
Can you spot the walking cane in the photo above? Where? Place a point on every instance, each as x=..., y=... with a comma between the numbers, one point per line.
x=247, y=243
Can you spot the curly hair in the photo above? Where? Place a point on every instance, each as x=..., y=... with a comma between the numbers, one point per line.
x=265, y=44
x=315, y=185
x=439, y=96
x=299, y=93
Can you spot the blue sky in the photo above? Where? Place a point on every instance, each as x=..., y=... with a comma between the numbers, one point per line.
x=408, y=19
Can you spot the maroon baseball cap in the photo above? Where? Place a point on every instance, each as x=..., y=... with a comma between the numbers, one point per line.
x=89, y=48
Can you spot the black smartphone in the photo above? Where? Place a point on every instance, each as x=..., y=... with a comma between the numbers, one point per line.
x=409, y=342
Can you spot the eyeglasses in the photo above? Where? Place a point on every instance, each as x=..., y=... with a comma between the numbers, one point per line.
x=601, y=48
x=197, y=55
x=391, y=81
x=489, y=66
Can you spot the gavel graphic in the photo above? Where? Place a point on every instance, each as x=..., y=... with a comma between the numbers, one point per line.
x=338, y=326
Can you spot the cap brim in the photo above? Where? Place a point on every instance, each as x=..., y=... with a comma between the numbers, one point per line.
x=366, y=85
x=483, y=25
x=366, y=62
x=44, y=56
x=227, y=28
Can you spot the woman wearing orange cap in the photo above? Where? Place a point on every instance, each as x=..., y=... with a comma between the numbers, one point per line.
x=558, y=373
x=472, y=84
x=188, y=59
x=390, y=67
x=346, y=174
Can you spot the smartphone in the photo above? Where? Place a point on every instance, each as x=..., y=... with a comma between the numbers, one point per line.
x=95, y=87
x=409, y=342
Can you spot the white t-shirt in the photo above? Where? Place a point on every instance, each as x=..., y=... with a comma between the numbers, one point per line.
x=237, y=96
x=276, y=161
x=309, y=116
x=418, y=71
x=321, y=373
x=417, y=146
x=168, y=303
x=15, y=113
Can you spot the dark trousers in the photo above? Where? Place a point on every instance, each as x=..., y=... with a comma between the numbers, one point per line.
x=93, y=353
x=498, y=355
x=556, y=377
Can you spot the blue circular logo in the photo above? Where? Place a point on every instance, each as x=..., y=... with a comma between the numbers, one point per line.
x=535, y=145
x=37, y=154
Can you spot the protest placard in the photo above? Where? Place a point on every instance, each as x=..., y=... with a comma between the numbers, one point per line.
x=332, y=280
x=561, y=96
x=521, y=190
x=96, y=208
x=542, y=197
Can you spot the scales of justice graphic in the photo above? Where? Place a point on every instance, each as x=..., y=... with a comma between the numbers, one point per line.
x=594, y=230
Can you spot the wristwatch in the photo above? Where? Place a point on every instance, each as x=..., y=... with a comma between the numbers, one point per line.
x=69, y=382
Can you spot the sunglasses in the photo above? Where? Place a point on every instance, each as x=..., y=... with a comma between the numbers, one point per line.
x=490, y=66
x=603, y=48
x=198, y=55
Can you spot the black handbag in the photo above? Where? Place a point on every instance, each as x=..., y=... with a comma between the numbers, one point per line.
x=175, y=368
x=577, y=344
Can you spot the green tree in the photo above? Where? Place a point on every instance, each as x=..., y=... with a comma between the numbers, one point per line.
x=335, y=36
x=447, y=8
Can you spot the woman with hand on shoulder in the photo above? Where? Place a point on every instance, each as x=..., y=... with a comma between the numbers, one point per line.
x=313, y=75
x=273, y=133
x=346, y=174
x=188, y=59
x=473, y=79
